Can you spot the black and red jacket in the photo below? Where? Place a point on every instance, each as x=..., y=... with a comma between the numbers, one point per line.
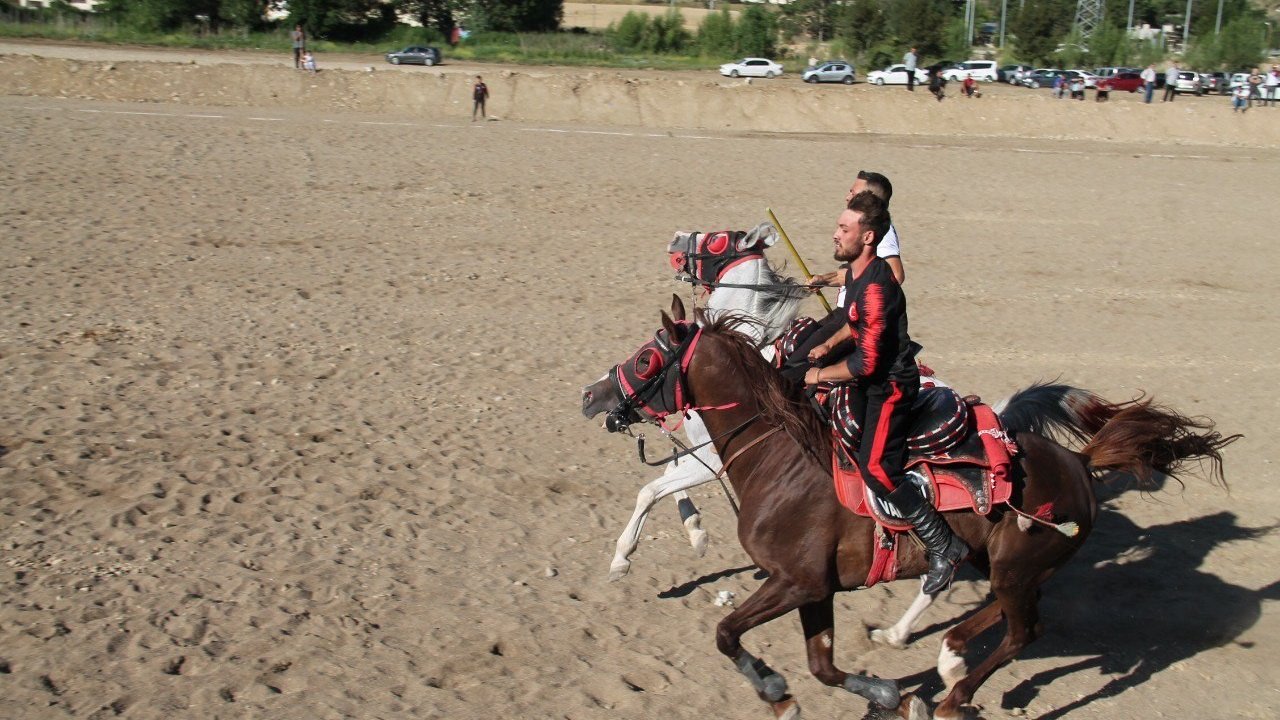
x=877, y=314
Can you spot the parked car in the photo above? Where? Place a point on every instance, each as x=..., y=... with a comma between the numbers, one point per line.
x=1090, y=80
x=415, y=55
x=1188, y=82
x=751, y=67
x=830, y=71
x=1042, y=77
x=977, y=69
x=896, y=75
x=1126, y=81
x=1012, y=74
x=1216, y=82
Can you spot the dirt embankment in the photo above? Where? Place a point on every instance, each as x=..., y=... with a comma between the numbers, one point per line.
x=625, y=98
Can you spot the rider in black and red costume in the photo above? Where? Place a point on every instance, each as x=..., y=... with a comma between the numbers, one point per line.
x=884, y=379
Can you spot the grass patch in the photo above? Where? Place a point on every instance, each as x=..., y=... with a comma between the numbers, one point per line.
x=563, y=48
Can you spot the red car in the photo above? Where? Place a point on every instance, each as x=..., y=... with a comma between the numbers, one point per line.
x=1125, y=81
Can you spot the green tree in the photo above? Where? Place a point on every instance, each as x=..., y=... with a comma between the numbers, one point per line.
x=812, y=18
x=629, y=33
x=861, y=24
x=438, y=14
x=715, y=34
x=1039, y=27
x=756, y=32
x=919, y=23
x=517, y=15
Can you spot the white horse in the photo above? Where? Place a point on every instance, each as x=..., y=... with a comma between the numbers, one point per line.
x=752, y=288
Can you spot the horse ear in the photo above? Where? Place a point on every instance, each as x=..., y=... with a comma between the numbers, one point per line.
x=677, y=308
x=669, y=325
x=762, y=235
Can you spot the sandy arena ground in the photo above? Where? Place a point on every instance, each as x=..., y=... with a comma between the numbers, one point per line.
x=293, y=427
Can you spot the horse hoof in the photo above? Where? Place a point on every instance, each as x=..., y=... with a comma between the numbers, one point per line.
x=882, y=692
x=787, y=709
x=698, y=539
x=916, y=709
x=617, y=571
x=888, y=639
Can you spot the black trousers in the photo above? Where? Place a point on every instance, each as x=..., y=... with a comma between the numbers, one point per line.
x=883, y=411
x=911, y=80
x=1170, y=92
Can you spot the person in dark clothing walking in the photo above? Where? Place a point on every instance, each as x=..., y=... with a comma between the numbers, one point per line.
x=937, y=83
x=479, y=94
x=1171, y=83
x=886, y=380
x=299, y=39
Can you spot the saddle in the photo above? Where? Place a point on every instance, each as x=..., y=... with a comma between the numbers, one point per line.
x=970, y=472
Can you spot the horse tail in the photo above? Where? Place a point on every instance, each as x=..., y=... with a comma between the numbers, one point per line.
x=1135, y=437
x=1051, y=409
x=1142, y=436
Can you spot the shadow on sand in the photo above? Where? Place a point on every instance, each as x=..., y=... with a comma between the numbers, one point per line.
x=1136, y=601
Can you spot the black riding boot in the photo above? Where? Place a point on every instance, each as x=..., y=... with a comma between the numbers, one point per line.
x=945, y=550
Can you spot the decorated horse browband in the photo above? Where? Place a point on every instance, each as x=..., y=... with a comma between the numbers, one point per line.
x=715, y=253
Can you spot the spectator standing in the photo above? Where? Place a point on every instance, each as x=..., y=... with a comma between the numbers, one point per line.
x=1059, y=86
x=1272, y=84
x=479, y=94
x=1240, y=98
x=299, y=39
x=1255, y=87
x=910, y=60
x=1171, y=83
x=1149, y=82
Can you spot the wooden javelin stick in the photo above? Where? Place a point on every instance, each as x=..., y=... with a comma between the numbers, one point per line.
x=808, y=276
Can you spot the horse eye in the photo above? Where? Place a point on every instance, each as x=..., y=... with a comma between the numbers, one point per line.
x=648, y=364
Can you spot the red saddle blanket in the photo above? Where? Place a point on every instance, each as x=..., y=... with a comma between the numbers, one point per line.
x=974, y=475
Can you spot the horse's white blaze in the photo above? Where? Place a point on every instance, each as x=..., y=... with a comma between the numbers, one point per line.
x=950, y=666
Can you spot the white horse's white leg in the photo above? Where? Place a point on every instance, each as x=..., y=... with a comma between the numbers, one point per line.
x=689, y=473
x=896, y=635
x=692, y=520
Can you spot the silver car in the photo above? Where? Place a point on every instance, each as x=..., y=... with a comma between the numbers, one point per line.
x=415, y=55
x=840, y=71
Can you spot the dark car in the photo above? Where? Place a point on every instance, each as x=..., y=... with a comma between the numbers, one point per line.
x=1125, y=82
x=415, y=55
x=1042, y=78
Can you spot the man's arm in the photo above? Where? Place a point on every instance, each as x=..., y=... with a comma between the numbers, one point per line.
x=895, y=264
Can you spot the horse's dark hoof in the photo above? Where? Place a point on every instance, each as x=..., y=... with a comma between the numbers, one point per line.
x=881, y=692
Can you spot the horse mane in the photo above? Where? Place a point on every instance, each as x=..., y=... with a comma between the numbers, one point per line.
x=781, y=298
x=782, y=403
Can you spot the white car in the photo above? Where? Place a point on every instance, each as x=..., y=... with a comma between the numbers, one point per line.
x=895, y=75
x=985, y=70
x=1090, y=79
x=751, y=67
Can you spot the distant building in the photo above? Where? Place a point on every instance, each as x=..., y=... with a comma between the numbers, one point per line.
x=86, y=5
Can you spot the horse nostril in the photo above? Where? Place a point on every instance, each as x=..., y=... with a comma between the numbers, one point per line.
x=586, y=397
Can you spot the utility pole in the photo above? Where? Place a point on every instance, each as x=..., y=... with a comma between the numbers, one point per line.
x=1129, y=28
x=1217, y=24
x=1186, y=28
x=1004, y=11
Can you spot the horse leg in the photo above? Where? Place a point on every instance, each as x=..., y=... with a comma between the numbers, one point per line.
x=697, y=433
x=677, y=478
x=775, y=598
x=692, y=520
x=818, y=620
x=951, y=666
x=896, y=635
x=1017, y=600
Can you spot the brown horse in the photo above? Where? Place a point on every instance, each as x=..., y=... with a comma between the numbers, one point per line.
x=793, y=527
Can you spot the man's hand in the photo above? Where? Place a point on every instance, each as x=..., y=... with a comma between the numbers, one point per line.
x=818, y=353
x=825, y=279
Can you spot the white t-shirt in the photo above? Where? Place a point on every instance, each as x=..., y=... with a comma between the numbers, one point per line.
x=887, y=248
x=1148, y=75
